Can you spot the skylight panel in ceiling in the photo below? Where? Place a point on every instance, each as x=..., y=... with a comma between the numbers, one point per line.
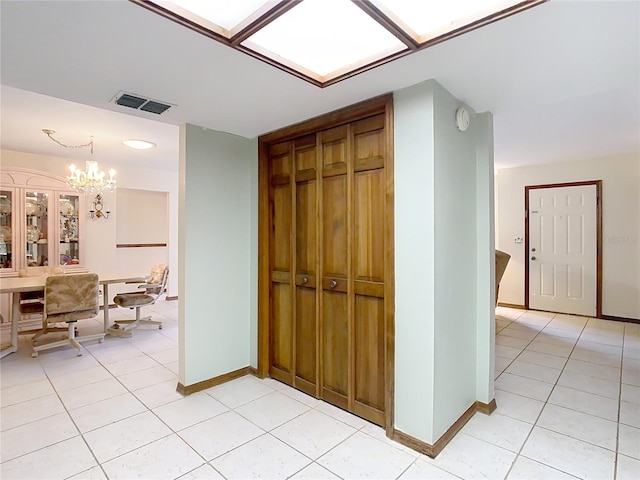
x=425, y=20
x=325, y=38
x=326, y=41
x=225, y=17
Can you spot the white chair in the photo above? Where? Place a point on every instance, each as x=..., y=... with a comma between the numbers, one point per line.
x=68, y=298
x=148, y=295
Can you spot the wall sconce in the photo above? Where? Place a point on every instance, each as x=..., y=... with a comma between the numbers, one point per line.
x=97, y=208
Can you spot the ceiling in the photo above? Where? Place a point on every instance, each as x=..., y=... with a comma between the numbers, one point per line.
x=562, y=80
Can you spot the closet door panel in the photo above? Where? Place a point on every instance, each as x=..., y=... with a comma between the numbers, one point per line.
x=369, y=358
x=306, y=264
x=334, y=226
x=369, y=226
x=281, y=332
x=306, y=339
x=281, y=314
x=335, y=345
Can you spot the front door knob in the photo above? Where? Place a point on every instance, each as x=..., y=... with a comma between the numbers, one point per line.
x=333, y=284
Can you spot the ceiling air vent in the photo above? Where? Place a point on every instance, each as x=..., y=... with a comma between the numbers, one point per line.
x=140, y=103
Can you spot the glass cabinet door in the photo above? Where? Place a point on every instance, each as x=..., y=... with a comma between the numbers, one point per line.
x=69, y=246
x=37, y=229
x=6, y=228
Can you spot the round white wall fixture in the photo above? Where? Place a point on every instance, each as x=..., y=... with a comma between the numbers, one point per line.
x=462, y=119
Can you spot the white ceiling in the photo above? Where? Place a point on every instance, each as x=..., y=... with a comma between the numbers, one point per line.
x=562, y=80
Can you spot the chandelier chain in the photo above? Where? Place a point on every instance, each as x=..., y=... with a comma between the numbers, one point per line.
x=50, y=133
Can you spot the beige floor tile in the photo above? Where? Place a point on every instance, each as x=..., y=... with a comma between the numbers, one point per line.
x=272, y=410
x=629, y=441
x=265, y=457
x=594, y=430
x=31, y=436
x=585, y=402
x=219, y=435
x=313, y=433
x=569, y=455
x=155, y=460
x=500, y=430
x=526, y=469
x=61, y=460
x=30, y=411
x=362, y=456
x=517, y=406
x=189, y=410
x=107, y=411
x=126, y=435
x=469, y=457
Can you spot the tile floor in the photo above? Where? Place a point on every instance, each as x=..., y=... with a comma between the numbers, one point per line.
x=567, y=388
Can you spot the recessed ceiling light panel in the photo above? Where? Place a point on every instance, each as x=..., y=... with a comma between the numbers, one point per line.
x=139, y=144
x=325, y=37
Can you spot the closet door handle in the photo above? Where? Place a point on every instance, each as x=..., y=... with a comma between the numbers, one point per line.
x=304, y=280
x=333, y=284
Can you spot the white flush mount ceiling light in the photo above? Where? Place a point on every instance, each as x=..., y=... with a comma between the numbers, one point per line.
x=139, y=144
x=325, y=41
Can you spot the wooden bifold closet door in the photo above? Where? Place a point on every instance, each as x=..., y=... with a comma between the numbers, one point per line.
x=328, y=216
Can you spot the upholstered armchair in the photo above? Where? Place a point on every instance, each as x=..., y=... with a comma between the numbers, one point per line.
x=147, y=295
x=67, y=299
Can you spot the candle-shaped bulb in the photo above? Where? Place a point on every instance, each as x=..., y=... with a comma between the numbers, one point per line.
x=73, y=169
x=112, y=172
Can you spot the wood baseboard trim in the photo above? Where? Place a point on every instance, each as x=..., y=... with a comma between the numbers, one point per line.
x=171, y=299
x=511, y=305
x=433, y=450
x=486, y=408
x=620, y=319
x=212, y=382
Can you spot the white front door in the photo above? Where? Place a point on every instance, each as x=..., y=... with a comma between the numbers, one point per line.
x=562, y=249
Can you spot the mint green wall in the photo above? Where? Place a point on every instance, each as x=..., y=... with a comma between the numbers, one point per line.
x=486, y=261
x=455, y=263
x=414, y=253
x=443, y=218
x=217, y=245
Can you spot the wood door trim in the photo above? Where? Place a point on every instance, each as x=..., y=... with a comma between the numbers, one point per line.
x=384, y=105
x=329, y=120
x=598, y=185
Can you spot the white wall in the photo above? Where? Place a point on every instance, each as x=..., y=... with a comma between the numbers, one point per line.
x=620, y=177
x=217, y=245
x=442, y=189
x=100, y=235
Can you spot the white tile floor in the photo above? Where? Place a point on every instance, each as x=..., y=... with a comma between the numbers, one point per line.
x=567, y=389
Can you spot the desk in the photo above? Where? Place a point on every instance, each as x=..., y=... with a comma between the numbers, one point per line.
x=14, y=285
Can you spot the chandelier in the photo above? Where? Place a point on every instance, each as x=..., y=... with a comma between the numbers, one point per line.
x=91, y=179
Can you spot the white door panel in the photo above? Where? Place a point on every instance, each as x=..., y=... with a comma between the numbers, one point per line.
x=562, y=249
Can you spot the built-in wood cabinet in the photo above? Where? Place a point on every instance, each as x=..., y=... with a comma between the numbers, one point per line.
x=327, y=249
x=40, y=222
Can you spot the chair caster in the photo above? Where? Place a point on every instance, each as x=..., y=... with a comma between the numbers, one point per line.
x=34, y=355
x=115, y=326
x=159, y=327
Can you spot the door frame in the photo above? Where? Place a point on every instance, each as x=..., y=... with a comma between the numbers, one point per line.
x=378, y=105
x=598, y=185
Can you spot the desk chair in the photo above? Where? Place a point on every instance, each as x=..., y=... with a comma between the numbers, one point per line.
x=69, y=298
x=149, y=293
x=32, y=304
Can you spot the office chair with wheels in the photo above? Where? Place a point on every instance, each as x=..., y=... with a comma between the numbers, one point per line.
x=68, y=298
x=148, y=295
